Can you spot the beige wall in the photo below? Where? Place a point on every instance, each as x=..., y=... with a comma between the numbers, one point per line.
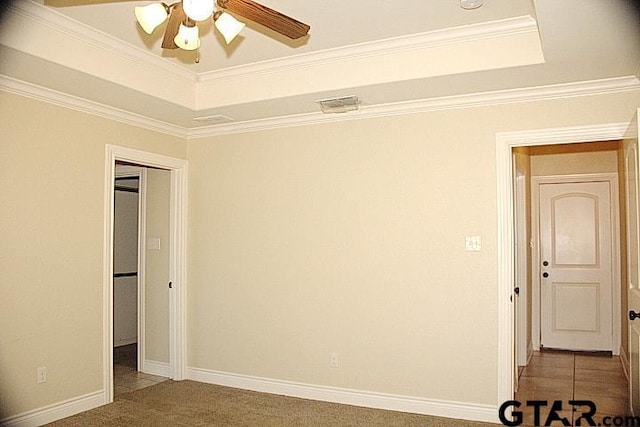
x=595, y=157
x=345, y=237
x=349, y=238
x=52, y=169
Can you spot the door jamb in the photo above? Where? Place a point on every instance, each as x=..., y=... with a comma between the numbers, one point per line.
x=505, y=142
x=177, y=258
x=536, y=300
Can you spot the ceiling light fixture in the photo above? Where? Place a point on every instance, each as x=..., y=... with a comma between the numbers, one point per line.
x=227, y=25
x=471, y=4
x=183, y=17
x=149, y=17
x=187, y=37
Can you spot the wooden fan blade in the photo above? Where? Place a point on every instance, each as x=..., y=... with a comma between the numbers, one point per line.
x=265, y=16
x=176, y=18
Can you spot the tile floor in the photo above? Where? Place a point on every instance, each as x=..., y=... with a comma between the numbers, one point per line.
x=126, y=378
x=564, y=376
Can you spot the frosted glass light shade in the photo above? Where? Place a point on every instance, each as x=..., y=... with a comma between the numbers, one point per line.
x=149, y=17
x=198, y=10
x=187, y=37
x=228, y=26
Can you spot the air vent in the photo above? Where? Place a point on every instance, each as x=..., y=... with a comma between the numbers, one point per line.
x=339, y=105
x=213, y=120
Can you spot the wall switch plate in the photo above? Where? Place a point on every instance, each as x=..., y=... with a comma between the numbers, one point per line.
x=473, y=243
x=41, y=375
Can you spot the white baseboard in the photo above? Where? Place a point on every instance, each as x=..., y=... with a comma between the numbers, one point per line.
x=125, y=341
x=530, y=351
x=625, y=362
x=155, y=368
x=56, y=411
x=417, y=405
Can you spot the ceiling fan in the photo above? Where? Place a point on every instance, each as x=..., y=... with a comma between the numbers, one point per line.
x=182, y=18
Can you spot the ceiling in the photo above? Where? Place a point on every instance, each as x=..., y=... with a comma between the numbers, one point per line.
x=389, y=54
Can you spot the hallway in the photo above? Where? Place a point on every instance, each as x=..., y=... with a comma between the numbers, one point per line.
x=564, y=376
x=126, y=377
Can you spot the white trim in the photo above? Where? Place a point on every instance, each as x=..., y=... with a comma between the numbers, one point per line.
x=473, y=100
x=389, y=46
x=152, y=367
x=440, y=408
x=624, y=360
x=41, y=93
x=177, y=254
x=104, y=42
x=56, y=411
x=616, y=301
x=505, y=142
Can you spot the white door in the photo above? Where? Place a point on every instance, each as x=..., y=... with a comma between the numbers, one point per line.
x=633, y=257
x=576, y=270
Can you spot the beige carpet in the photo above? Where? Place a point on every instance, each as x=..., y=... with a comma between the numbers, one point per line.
x=189, y=403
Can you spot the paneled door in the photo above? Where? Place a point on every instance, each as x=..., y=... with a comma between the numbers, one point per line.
x=576, y=265
x=633, y=260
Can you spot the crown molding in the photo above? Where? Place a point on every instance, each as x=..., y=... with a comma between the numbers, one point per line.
x=430, y=39
x=40, y=93
x=62, y=23
x=484, y=99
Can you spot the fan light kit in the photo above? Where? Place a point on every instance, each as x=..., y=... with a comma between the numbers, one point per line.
x=182, y=29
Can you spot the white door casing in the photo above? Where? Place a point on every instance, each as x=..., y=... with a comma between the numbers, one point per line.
x=505, y=143
x=576, y=282
x=632, y=198
x=177, y=258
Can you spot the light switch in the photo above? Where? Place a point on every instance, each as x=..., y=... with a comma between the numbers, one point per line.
x=153, y=244
x=473, y=243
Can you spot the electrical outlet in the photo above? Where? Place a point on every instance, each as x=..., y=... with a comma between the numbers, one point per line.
x=334, y=360
x=41, y=376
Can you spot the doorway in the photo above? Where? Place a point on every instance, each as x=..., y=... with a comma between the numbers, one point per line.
x=141, y=260
x=171, y=283
x=505, y=143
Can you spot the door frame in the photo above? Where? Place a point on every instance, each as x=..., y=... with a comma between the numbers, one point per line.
x=177, y=258
x=536, y=298
x=505, y=143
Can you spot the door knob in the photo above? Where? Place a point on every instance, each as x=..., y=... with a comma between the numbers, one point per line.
x=517, y=290
x=545, y=274
x=633, y=315
x=545, y=263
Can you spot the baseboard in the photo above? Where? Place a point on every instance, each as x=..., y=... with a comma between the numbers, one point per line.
x=56, y=411
x=155, y=368
x=125, y=341
x=530, y=351
x=440, y=408
x=624, y=359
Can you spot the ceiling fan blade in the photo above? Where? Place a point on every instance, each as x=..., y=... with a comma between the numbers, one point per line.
x=265, y=16
x=176, y=18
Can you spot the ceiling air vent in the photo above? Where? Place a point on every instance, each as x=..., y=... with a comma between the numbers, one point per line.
x=213, y=120
x=339, y=105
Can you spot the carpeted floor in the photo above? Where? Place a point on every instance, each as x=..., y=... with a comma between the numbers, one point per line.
x=189, y=403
